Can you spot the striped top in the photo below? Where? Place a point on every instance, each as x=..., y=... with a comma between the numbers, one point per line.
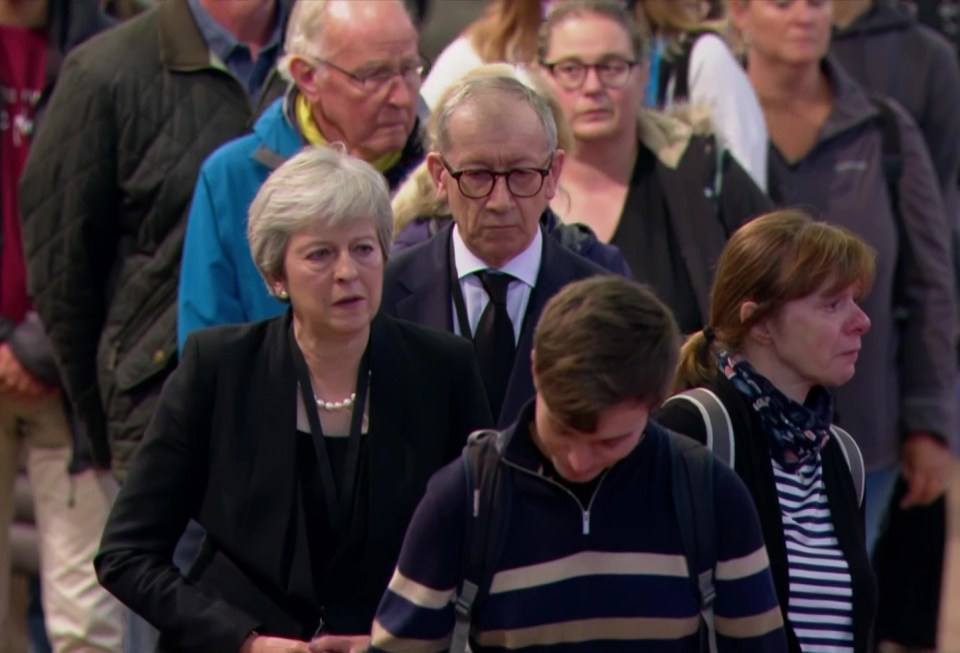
x=820, y=606
x=606, y=576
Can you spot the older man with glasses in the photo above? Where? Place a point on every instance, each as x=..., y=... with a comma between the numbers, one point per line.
x=355, y=73
x=488, y=275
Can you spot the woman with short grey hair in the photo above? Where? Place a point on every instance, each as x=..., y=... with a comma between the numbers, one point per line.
x=320, y=184
x=302, y=444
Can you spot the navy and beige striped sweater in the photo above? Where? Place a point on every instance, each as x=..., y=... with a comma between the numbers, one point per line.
x=608, y=577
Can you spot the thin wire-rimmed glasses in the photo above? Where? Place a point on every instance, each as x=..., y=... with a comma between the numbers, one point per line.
x=477, y=184
x=375, y=79
x=570, y=74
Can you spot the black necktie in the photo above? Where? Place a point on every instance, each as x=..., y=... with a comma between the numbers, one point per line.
x=494, y=339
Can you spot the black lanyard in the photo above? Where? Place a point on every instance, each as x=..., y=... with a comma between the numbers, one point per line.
x=339, y=503
x=458, y=302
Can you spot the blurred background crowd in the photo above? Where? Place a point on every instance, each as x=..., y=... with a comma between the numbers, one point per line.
x=135, y=136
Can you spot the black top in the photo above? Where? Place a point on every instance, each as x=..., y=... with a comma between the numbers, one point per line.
x=331, y=554
x=646, y=239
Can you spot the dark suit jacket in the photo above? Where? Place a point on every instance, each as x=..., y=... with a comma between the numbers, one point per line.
x=221, y=448
x=752, y=464
x=417, y=288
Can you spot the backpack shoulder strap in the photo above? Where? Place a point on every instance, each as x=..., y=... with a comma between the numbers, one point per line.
x=692, y=486
x=892, y=170
x=679, y=69
x=716, y=420
x=890, y=146
x=488, y=510
x=854, y=457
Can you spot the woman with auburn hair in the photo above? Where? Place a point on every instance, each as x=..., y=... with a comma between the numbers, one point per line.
x=785, y=325
x=690, y=62
x=505, y=32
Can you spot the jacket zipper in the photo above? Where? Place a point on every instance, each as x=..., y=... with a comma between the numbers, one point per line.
x=585, y=513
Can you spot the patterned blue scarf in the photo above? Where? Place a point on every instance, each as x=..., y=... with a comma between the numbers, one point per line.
x=797, y=431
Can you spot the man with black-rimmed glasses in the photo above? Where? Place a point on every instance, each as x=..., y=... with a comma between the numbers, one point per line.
x=487, y=277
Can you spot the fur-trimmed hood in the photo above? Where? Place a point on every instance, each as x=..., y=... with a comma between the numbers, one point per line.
x=667, y=133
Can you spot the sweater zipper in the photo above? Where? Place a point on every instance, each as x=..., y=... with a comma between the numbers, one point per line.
x=584, y=512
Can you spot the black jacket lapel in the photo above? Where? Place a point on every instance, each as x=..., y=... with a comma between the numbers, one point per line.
x=390, y=400
x=273, y=467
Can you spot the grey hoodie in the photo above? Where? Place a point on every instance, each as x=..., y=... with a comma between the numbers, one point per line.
x=905, y=373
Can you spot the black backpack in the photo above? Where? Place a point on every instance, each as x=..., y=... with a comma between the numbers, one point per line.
x=489, y=495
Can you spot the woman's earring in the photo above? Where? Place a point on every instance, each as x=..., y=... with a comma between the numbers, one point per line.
x=283, y=294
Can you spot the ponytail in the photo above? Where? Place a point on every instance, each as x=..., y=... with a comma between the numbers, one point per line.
x=697, y=365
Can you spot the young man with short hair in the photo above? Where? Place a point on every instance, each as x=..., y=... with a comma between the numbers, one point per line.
x=591, y=556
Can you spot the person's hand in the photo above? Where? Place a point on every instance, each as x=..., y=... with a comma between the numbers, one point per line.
x=925, y=463
x=340, y=644
x=264, y=644
x=16, y=380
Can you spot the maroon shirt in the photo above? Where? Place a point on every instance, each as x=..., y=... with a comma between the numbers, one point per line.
x=22, y=77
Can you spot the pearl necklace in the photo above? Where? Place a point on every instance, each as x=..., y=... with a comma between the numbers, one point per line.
x=336, y=405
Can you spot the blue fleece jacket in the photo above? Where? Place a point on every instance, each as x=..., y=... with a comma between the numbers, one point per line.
x=219, y=284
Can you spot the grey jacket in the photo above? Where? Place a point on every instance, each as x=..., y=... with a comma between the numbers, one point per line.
x=889, y=52
x=906, y=371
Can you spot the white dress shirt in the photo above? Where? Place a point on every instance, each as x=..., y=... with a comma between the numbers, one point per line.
x=524, y=268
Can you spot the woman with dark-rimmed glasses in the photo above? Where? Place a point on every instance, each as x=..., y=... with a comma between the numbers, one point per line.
x=660, y=189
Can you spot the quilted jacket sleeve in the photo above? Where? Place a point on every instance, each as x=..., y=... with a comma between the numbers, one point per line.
x=68, y=207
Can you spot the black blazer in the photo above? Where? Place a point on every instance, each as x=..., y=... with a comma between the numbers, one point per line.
x=752, y=463
x=221, y=449
x=417, y=288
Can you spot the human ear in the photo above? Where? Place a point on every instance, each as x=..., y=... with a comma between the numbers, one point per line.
x=436, y=169
x=279, y=288
x=738, y=11
x=556, y=167
x=760, y=331
x=306, y=77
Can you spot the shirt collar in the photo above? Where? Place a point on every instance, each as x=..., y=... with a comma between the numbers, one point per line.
x=220, y=40
x=524, y=266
